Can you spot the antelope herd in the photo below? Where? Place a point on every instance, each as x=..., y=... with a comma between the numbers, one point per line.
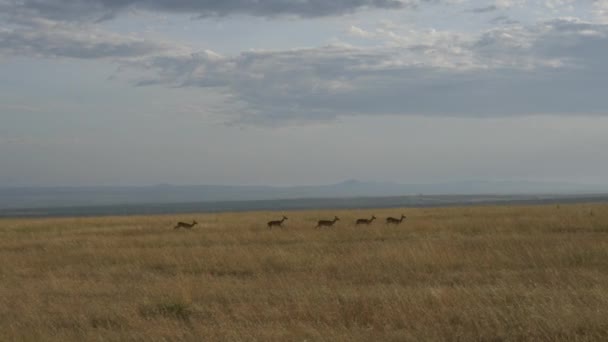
x=320, y=223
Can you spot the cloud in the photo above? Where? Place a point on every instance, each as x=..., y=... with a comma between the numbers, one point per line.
x=600, y=10
x=559, y=4
x=503, y=20
x=358, y=32
x=104, y=9
x=486, y=9
x=44, y=38
x=554, y=67
x=502, y=4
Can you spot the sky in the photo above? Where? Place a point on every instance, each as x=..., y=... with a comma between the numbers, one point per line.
x=295, y=92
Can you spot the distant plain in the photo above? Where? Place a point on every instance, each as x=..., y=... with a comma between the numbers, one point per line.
x=491, y=273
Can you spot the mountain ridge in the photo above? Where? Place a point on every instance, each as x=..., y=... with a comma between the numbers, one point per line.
x=32, y=197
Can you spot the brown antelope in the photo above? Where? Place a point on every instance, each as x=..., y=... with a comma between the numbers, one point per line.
x=276, y=223
x=392, y=220
x=365, y=221
x=327, y=223
x=185, y=225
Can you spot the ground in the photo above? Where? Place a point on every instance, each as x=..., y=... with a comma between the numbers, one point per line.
x=487, y=273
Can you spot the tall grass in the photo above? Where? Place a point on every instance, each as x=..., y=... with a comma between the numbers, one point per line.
x=499, y=273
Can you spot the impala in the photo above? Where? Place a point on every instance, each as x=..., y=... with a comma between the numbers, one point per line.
x=327, y=223
x=392, y=220
x=185, y=225
x=365, y=221
x=276, y=223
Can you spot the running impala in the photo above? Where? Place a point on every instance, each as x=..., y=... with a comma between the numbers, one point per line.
x=365, y=221
x=185, y=225
x=327, y=223
x=392, y=220
x=278, y=223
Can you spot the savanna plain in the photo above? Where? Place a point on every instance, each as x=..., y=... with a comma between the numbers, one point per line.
x=487, y=273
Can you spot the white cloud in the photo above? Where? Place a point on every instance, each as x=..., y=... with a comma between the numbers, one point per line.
x=359, y=32
x=510, y=3
x=508, y=71
x=556, y=4
x=600, y=10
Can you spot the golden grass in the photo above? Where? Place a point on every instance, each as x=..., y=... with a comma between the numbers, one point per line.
x=499, y=273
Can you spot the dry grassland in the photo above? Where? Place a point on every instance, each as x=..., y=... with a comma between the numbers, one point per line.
x=501, y=273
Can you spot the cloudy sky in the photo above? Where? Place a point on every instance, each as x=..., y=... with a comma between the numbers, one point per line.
x=280, y=92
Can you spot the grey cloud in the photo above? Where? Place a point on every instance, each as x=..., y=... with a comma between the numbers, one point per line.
x=503, y=20
x=555, y=67
x=486, y=9
x=584, y=44
x=42, y=38
x=104, y=9
x=572, y=44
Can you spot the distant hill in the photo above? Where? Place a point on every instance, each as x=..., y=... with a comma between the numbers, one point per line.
x=44, y=197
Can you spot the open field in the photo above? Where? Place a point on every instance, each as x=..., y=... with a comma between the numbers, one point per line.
x=495, y=273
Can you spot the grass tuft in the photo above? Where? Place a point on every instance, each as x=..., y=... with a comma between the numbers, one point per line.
x=171, y=309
